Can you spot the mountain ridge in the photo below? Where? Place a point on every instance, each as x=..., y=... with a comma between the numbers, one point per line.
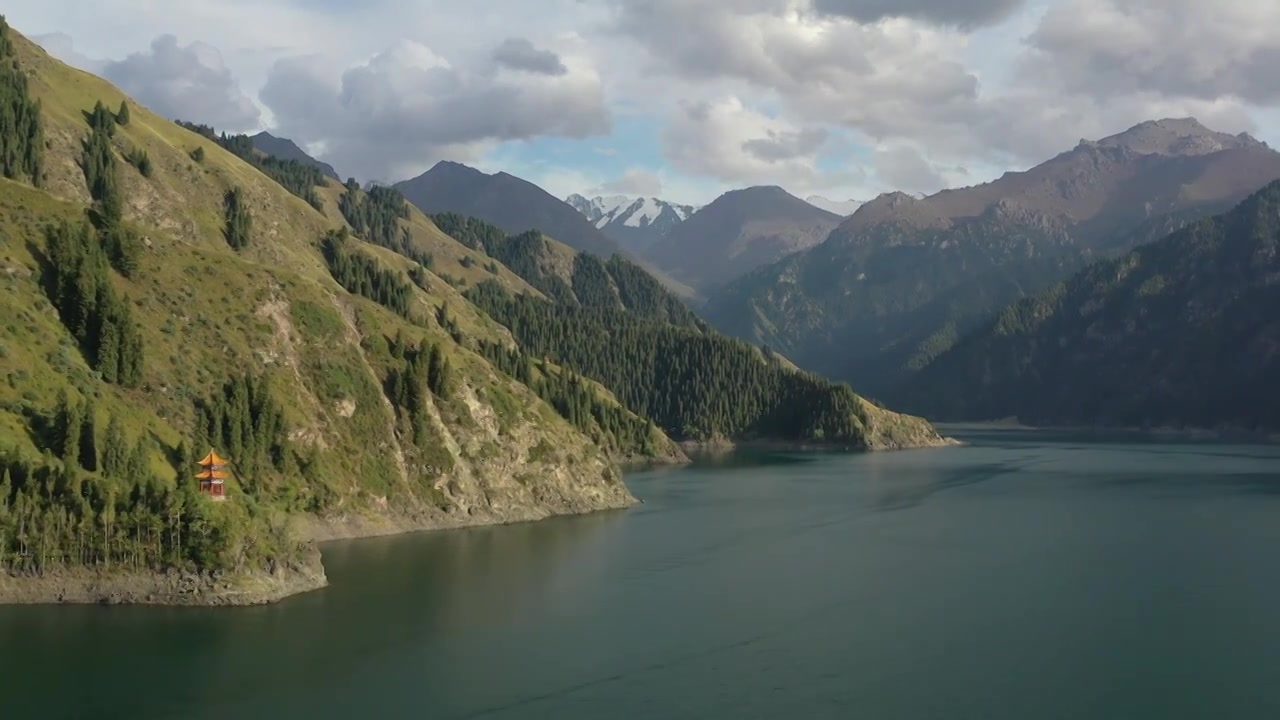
x=634, y=222
x=737, y=232
x=1179, y=332
x=286, y=149
x=904, y=278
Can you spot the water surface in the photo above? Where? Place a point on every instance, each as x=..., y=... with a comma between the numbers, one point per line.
x=1025, y=576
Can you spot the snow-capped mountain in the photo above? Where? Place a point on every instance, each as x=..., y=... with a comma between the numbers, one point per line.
x=843, y=208
x=633, y=222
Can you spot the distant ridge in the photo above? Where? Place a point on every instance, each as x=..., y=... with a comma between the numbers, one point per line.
x=511, y=203
x=904, y=278
x=738, y=232
x=286, y=149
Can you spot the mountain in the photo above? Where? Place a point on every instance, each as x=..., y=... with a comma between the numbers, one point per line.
x=903, y=278
x=843, y=208
x=1182, y=332
x=738, y=232
x=615, y=324
x=634, y=222
x=170, y=290
x=286, y=149
x=165, y=296
x=513, y=204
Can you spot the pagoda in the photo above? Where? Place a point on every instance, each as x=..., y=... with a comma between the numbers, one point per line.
x=212, y=475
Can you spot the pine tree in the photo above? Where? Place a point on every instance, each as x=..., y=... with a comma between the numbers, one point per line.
x=115, y=450
x=89, y=438
x=70, y=429
x=239, y=221
x=122, y=115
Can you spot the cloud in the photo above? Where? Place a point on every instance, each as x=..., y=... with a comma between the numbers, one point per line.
x=1174, y=48
x=726, y=140
x=405, y=108
x=781, y=145
x=634, y=182
x=903, y=168
x=185, y=82
x=61, y=46
x=961, y=13
x=887, y=78
x=520, y=54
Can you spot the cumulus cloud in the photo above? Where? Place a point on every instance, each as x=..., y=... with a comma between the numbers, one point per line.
x=1179, y=48
x=520, y=54
x=779, y=145
x=729, y=141
x=634, y=182
x=61, y=46
x=188, y=82
x=406, y=108
x=962, y=13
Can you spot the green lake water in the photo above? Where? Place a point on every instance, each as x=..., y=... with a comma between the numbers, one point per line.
x=1026, y=576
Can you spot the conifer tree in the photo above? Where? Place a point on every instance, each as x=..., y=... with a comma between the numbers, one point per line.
x=115, y=449
x=238, y=218
x=70, y=429
x=89, y=438
x=122, y=115
x=21, y=129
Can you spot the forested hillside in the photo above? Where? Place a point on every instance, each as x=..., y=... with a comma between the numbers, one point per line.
x=615, y=324
x=168, y=291
x=1182, y=332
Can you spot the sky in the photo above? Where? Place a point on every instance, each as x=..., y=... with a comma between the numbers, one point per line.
x=683, y=99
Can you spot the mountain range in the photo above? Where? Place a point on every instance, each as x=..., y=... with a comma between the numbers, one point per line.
x=1181, y=332
x=843, y=208
x=286, y=149
x=513, y=204
x=738, y=232
x=904, y=278
x=367, y=368
x=635, y=223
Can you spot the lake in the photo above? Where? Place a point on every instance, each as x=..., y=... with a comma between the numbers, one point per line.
x=1028, y=575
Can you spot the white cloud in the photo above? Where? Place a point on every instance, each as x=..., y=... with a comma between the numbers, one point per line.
x=188, y=82
x=634, y=181
x=406, y=108
x=731, y=142
x=962, y=13
x=985, y=84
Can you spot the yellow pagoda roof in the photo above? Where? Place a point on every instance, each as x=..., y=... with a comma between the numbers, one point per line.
x=212, y=475
x=212, y=459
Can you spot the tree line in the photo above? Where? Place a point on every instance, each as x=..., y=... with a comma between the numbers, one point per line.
x=79, y=285
x=21, y=129
x=98, y=161
x=93, y=499
x=574, y=399
x=374, y=213
x=246, y=424
x=299, y=178
x=593, y=282
x=416, y=371
x=694, y=385
x=373, y=216
x=363, y=275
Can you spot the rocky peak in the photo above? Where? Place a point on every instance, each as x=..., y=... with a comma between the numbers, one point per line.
x=1183, y=137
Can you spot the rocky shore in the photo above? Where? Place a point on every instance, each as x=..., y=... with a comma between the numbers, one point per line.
x=167, y=588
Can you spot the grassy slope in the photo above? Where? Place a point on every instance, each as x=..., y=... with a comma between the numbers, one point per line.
x=208, y=313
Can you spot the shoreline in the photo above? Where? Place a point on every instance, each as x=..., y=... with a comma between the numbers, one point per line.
x=180, y=588
x=1160, y=432
x=85, y=586
x=90, y=586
